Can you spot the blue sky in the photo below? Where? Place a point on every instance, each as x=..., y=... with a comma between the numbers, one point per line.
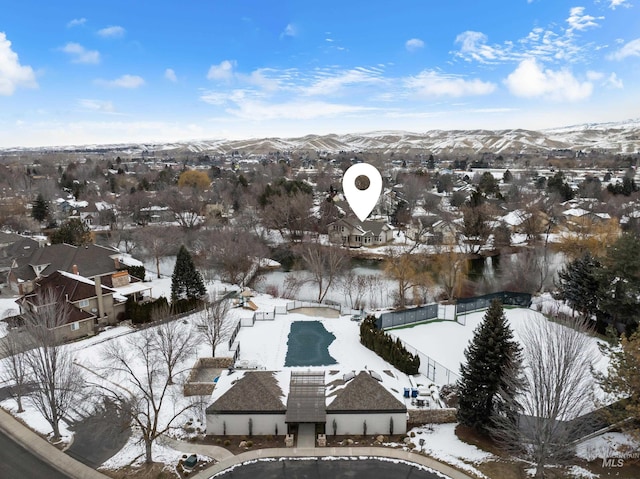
x=85, y=72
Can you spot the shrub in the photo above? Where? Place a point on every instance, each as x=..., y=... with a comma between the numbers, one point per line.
x=227, y=442
x=384, y=346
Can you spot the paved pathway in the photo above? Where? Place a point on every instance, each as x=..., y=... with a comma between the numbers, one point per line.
x=306, y=436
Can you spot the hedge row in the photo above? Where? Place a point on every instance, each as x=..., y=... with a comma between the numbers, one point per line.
x=384, y=346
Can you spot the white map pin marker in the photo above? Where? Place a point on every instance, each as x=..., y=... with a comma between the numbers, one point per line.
x=362, y=201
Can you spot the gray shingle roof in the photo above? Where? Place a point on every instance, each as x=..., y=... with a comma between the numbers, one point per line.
x=255, y=392
x=91, y=260
x=365, y=394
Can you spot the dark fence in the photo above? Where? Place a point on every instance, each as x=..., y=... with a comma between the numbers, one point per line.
x=235, y=332
x=407, y=316
x=466, y=305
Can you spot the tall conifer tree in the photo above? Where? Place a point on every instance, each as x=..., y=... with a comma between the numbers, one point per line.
x=490, y=358
x=186, y=281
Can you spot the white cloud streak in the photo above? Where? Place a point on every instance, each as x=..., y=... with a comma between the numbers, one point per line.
x=629, y=49
x=114, y=31
x=96, y=105
x=12, y=73
x=530, y=80
x=414, y=44
x=289, y=31
x=125, y=81
x=76, y=22
x=223, y=71
x=330, y=83
x=579, y=21
x=434, y=84
x=543, y=44
x=618, y=3
x=80, y=54
x=170, y=75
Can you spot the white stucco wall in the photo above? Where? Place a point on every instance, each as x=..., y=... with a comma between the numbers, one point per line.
x=238, y=424
x=348, y=424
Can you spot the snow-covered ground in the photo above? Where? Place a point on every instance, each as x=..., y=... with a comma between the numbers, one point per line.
x=265, y=345
x=445, y=341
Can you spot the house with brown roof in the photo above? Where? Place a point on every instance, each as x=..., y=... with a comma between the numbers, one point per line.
x=363, y=398
x=91, y=304
x=350, y=231
x=35, y=262
x=253, y=402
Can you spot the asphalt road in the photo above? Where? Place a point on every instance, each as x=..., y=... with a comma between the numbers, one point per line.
x=322, y=469
x=17, y=463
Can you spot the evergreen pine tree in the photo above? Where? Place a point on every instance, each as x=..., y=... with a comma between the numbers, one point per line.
x=490, y=356
x=578, y=284
x=40, y=209
x=186, y=281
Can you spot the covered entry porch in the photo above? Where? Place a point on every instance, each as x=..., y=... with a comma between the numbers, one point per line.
x=306, y=408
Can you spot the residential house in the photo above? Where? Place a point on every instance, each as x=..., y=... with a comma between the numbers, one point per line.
x=91, y=304
x=253, y=402
x=35, y=262
x=349, y=231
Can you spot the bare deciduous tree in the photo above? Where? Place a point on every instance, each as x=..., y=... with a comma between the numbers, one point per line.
x=214, y=323
x=408, y=270
x=234, y=254
x=555, y=389
x=325, y=263
x=58, y=382
x=13, y=348
x=157, y=242
x=175, y=342
x=136, y=364
x=354, y=287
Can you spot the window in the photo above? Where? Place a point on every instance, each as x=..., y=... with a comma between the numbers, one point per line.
x=84, y=303
x=75, y=326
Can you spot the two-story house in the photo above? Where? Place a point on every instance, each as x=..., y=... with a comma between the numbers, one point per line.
x=350, y=231
x=90, y=304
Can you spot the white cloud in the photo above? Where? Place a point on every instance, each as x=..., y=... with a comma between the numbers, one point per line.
x=125, y=81
x=96, y=105
x=551, y=44
x=12, y=73
x=289, y=31
x=529, y=80
x=76, y=22
x=630, y=49
x=614, y=82
x=294, y=110
x=618, y=3
x=329, y=83
x=222, y=71
x=114, y=31
x=414, y=44
x=170, y=75
x=80, y=54
x=431, y=83
x=579, y=21
x=594, y=76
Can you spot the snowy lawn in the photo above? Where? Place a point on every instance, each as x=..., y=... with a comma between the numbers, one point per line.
x=441, y=442
x=445, y=341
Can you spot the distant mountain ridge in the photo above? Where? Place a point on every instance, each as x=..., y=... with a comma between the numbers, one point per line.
x=618, y=138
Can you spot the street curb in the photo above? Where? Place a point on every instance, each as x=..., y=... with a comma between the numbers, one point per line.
x=41, y=448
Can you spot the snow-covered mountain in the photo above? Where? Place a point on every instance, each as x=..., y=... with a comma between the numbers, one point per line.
x=621, y=137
